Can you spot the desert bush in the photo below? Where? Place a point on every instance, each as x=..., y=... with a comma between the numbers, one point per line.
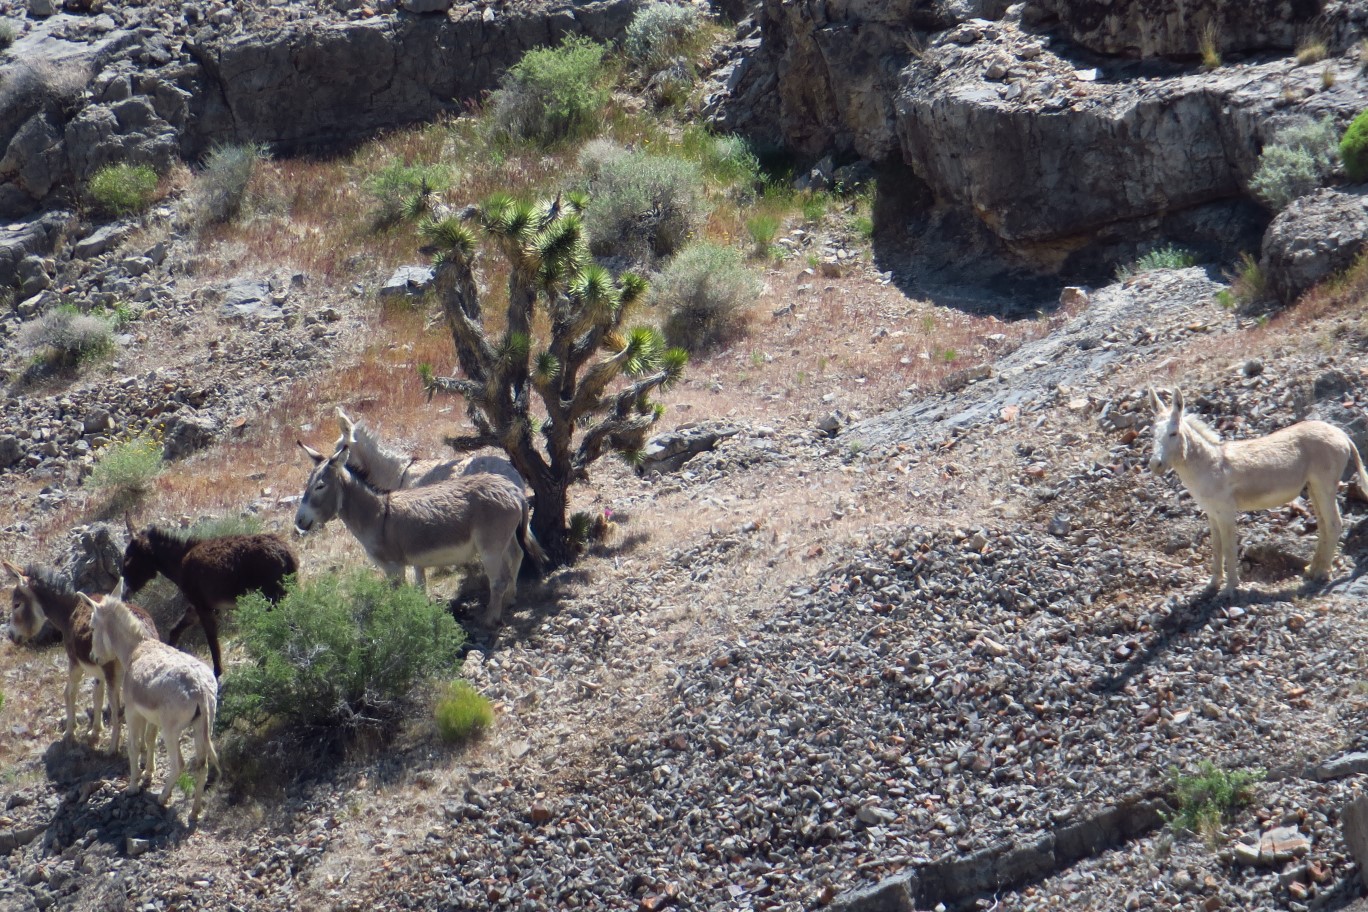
x=337, y=651
x=64, y=337
x=126, y=469
x=1311, y=50
x=641, y=205
x=1167, y=257
x=762, y=229
x=406, y=192
x=1206, y=798
x=703, y=292
x=1300, y=158
x=661, y=32
x=1208, y=46
x=123, y=188
x=227, y=524
x=728, y=159
x=9, y=33
x=1353, y=148
x=221, y=186
x=551, y=94
x=462, y=713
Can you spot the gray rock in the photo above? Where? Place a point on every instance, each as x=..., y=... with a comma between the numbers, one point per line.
x=407, y=281
x=1314, y=238
x=248, y=299
x=1340, y=767
x=188, y=433
x=1161, y=28
x=11, y=450
x=94, y=558
x=1354, y=820
x=667, y=452
x=426, y=6
x=100, y=241
x=41, y=9
x=893, y=894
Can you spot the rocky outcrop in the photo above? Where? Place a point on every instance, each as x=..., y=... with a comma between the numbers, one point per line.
x=1317, y=236
x=1150, y=28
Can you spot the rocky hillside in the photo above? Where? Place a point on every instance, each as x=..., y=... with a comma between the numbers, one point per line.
x=890, y=644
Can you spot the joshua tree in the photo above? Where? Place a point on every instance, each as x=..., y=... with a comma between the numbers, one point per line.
x=592, y=379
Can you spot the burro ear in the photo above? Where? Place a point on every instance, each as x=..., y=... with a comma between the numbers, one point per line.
x=90, y=601
x=1155, y=402
x=1177, y=401
x=14, y=571
x=316, y=456
x=128, y=524
x=344, y=423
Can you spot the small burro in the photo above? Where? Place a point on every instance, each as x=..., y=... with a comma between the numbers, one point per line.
x=1226, y=478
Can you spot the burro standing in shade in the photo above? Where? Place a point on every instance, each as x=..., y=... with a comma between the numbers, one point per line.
x=1226, y=478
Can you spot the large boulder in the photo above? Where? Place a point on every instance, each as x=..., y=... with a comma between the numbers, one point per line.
x=1314, y=238
x=94, y=558
x=1150, y=28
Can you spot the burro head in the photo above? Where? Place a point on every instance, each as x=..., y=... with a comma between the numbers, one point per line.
x=322, y=497
x=101, y=623
x=1169, y=445
x=26, y=614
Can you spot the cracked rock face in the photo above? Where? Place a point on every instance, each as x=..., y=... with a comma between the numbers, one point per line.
x=1158, y=28
x=1312, y=239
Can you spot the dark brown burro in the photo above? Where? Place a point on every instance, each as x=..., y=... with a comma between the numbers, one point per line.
x=210, y=572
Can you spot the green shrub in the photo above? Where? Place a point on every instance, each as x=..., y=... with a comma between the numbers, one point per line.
x=1300, y=158
x=641, y=205
x=728, y=159
x=552, y=94
x=1353, y=148
x=1167, y=257
x=661, y=32
x=406, y=192
x=462, y=713
x=8, y=34
x=122, y=189
x=703, y=292
x=1204, y=800
x=338, y=651
x=64, y=337
x=127, y=468
x=221, y=186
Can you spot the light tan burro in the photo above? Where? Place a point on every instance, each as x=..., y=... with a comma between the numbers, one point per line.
x=1226, y=478
x=441, y=524
x=163, y=689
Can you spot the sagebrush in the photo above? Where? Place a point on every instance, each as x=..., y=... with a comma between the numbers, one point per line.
x=221, y=185
x=1301, y=157
x=65, y=337
x=662, y=32
x=552, y=94
x=337, y=651
x=641, y=206
x=704, y=292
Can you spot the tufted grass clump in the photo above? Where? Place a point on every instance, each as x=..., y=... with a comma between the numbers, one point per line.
x=662, y=32
x=1353, y=148
x=704, y=292
x=221, y=185
x=337, y=653
x=1167, y=257
x=1206, y=798
x=125, y=470
x=1311, y=50
x=462, y=713
x=227, y=524
x=1209, y=46
x=123, y=189
x=1301, y=157
x=762, y=229
x=552, y=95
x=64, y=338
x=9, y=33
x=641, y=206
x=406, y=192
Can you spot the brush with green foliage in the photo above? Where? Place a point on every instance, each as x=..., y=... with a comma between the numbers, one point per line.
x=1167, y=257
x=641, y=206
x=703, y=293
x=1206, y=798
x=123, y=189
x=337, y=651
x=1353, y=148
x=552, y=94
x=590, y=375
x=1301, y=157
x=8, y=34
x=406, y=193
x=462, y=713
x=126, y=469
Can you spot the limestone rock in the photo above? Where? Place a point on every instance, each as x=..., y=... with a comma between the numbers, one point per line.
x=407, y=281
x=94, y=558
x=1312, y=239
x=187, y=433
